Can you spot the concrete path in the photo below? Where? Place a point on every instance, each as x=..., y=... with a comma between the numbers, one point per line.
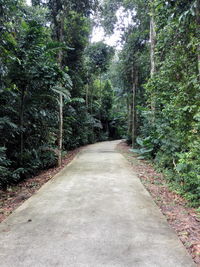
x=94, y=213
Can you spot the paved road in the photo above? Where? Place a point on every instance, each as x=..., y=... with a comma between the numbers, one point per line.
x=94, y=213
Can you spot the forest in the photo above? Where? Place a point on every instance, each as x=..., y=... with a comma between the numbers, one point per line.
x=59, y=90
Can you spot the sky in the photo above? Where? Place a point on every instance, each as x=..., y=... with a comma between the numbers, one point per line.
x=98, y=34
x=124, y=18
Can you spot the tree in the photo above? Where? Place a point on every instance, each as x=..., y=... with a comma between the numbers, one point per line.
x=60, y=11
x=98, y=57
x=198, y=33
x=168, y=83
x=31, y=80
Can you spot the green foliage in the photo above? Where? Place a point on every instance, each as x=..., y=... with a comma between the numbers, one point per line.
x=4, y=167
x=31, y=79
x=145, y=148
x=166, y=106
x=175, y=88
x=98, y=57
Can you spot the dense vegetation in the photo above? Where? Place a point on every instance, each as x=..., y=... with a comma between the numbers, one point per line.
x=159, y=67
x=59, y=91
x=54, y=94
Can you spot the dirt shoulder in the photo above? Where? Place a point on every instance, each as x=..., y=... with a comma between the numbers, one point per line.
x=15, y=195
x=183, y=219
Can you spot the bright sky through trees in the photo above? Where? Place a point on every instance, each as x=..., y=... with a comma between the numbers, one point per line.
x=98, y=33
x=124, y=20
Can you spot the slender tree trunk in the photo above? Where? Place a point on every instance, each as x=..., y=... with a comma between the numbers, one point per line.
x=86, y=96
x=152, y=54
x=130, y=112
x=100, y=100
x=134, y=87
x=128, y=115
x=87, y=93
x=60, y=136
x=153, y=44
x=22, y=125
x=133, y=117
x=59, y=10
x=60, y=140
x=91, y=111
x=100, y=79
x=198, y=34
x=60, y=31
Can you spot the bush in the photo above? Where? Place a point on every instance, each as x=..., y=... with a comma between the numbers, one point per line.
x=4, y=168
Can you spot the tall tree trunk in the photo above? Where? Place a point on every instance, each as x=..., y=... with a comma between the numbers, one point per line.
x=100, y=100
x=133, y=137
x=59, y=10
x=21, y=115
x=60, y=136
x=129, y=112
x=60, y=37
x=91, y=111
x=153, y=44
x=134, y=87
x=60, y=139
x=87, y=96
x=100, y=95
x=198, y=34
x=152, y=53
x=87, y=93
